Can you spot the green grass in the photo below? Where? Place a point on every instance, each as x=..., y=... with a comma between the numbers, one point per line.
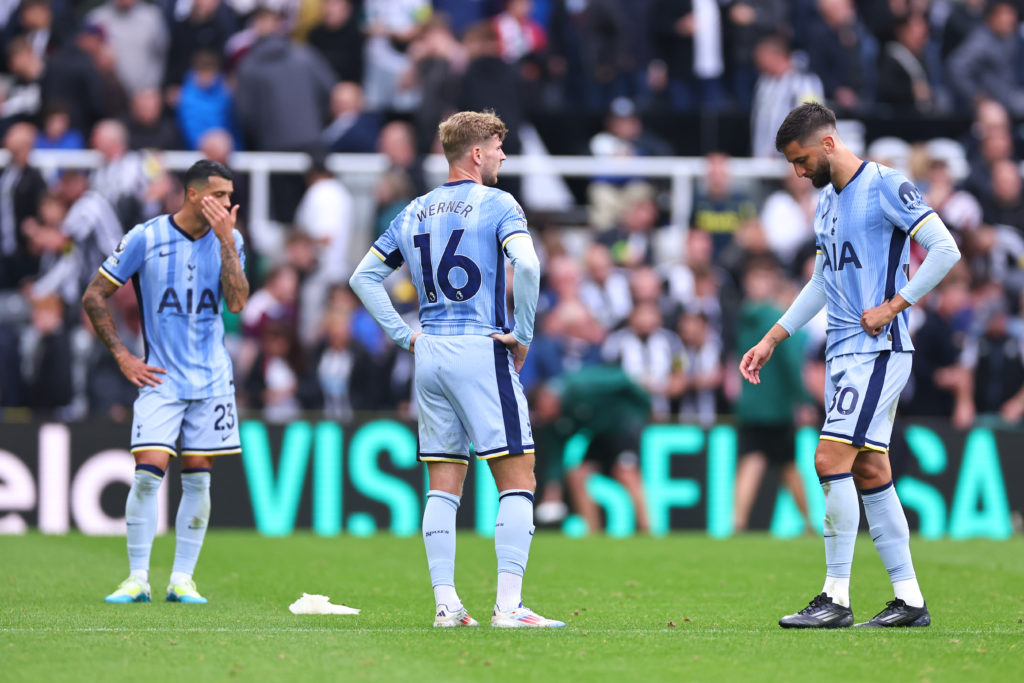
x=723, y=599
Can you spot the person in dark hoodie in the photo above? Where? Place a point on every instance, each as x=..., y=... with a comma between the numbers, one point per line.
x=283, y=91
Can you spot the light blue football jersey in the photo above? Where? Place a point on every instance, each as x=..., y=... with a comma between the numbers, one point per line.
x=453, y=240
x=177, y=283
x=863, y=234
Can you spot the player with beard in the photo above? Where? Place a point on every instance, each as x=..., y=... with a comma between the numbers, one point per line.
x=864, y=218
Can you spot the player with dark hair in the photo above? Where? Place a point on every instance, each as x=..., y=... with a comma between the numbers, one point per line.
x=454, y=240
x=861, y=275
x=182, y=266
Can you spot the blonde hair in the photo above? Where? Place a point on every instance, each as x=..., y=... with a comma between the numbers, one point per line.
x=466, y=129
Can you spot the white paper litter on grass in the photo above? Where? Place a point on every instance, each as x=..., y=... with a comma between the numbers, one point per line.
x=318, y=604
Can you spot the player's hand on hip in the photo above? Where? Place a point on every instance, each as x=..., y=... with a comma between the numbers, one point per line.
x=137, y=372
x=221, y=220
x=754, y=360
x=412, y=342
x=518, y=350
x=875, y=319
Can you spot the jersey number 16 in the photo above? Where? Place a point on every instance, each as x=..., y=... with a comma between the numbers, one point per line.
x=449, y=262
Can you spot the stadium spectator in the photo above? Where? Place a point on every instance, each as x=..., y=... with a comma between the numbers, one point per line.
x=687, y=45
x=46, y=359
x=623, y=135
x=719, y=205
x=605, y=289
x=352, y=129
x=781, y=85
x=994, y=357
x=697, y=371
x=206, y=102
x=326, y=215
x=283, y=90
x=391, y=193
x=338, y=39
x=37, y=25
x=909, y=79
x=89, y=233
x=844, y=54
x=596, y=52
x=491, y=83
x=437, y=62
x=132, y=181
x=746, y=21
x=787, y=217
x=138, y=36
x=391, y=27
x=148, y=127
x=73, y=77
x=397, y=142
x=1005, y=206
x=57, y=132
x=275, y=301
x=21, y=187
x=23, y=99
x=963, y=18
x=647, y=352
x=766, y=412
x=279, y=384
x=939, y=384
x=205, y=27
x=611, y=409
x=986, y=63
x=631, y=240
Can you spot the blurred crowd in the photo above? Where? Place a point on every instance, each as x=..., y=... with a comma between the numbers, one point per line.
x=667, y=299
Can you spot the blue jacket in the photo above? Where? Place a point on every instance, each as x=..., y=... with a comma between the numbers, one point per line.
x=202, y=109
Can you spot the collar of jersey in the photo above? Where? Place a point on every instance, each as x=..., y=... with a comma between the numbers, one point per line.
x=458, y=182
x=855, y=176
x=170, y=219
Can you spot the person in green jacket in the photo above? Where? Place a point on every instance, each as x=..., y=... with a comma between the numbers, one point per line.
x=602, y=402
x=765, y=412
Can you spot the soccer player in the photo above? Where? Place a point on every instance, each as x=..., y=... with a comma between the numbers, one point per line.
x=454, y=240
x=861, y=226
x=182, y=266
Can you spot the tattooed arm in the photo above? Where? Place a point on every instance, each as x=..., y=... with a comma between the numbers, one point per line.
x=94, y=301
x=232, y=277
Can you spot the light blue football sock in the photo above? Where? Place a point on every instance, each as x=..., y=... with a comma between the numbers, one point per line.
x=439, y=540
x=192, y=520
x=140, y=512
x=842, y=517
x=891, y=534
x=513, y=533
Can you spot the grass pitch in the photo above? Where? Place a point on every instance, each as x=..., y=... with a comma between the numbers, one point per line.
x=679, y=607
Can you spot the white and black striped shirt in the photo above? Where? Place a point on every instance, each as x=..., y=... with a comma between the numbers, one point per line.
x=774, y=98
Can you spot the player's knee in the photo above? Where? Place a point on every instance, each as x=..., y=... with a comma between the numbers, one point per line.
x=866, y=472
x=147, y=485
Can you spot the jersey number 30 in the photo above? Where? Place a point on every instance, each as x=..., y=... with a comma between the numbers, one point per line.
x=449, y=262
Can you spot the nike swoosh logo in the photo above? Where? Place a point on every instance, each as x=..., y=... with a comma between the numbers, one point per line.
x=166, y=253
x=834, y=419
x=225, y=437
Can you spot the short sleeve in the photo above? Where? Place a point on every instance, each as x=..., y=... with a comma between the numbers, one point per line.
x=903, y=204
x=386, y=246
x=512, y=223
x=127, y=257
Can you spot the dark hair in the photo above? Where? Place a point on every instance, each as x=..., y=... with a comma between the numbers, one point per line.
x=198, y=174
x=802, y=121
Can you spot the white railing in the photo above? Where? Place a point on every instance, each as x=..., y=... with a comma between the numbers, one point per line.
x=359, y=172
